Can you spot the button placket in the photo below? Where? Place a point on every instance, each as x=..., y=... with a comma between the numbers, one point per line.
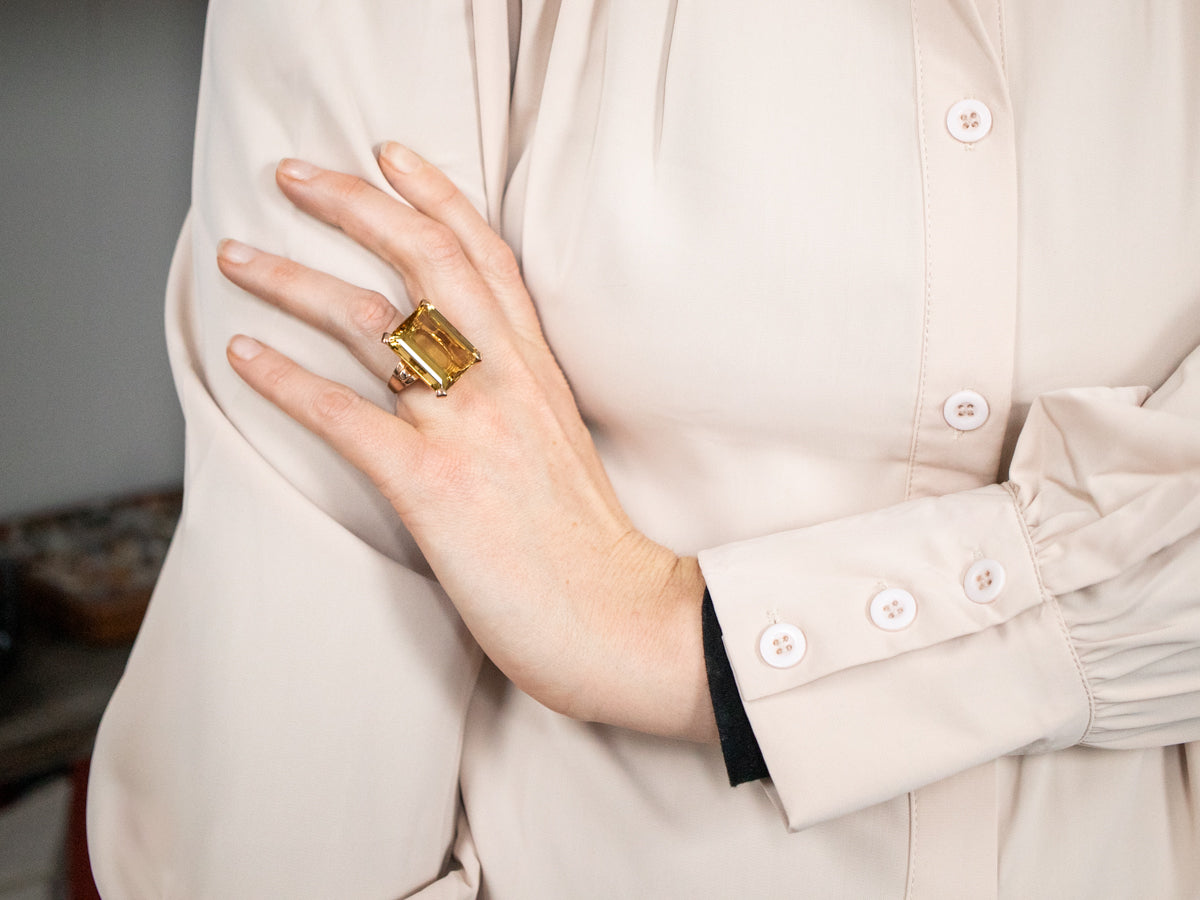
x=970, y=217
x=971, y=254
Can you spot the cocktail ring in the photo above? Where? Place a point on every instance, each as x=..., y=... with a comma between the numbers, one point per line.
x=430, y=349
x=401, y=378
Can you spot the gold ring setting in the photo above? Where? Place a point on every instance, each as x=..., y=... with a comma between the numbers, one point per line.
x=401, y=378
x=430, y=350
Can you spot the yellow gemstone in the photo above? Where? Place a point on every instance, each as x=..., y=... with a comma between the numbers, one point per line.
x=431, y=348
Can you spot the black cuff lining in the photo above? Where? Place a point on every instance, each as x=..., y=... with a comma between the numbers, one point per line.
x=743, y=757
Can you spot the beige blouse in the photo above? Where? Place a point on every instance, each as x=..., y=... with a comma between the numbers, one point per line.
x=886, y=309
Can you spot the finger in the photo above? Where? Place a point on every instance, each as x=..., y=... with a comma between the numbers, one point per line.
x=372, y=440
x=429, y=190
x=355, y=316
x=426, y=252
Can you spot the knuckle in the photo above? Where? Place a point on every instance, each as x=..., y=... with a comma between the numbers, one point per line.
x=453, y=471
x=275, y=377
x=349, y=195
x=441, y=191
x=351, y=189
x=369, y=313
x=282, y=273
x=499, y=262
x=450, y=470
x=333, y=404
x=494, y=421
x=438, y=246
x=396, y=491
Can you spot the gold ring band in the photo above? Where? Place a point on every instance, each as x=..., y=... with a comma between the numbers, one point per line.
x=401, y=378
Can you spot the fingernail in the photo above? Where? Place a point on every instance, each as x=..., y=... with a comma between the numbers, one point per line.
x=235, y=251
x=245, y=347
x=298, y=169
x=400, y=157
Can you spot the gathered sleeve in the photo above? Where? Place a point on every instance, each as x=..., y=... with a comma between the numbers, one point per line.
x=1060, y=608
x=291, y=718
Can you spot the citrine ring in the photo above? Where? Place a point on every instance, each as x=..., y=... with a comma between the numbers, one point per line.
x=430, y=350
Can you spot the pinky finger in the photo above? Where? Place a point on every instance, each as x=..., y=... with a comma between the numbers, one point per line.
x=372, y=440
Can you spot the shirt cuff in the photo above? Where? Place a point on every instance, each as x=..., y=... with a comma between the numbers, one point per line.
x=880, y=653
x=743, y=758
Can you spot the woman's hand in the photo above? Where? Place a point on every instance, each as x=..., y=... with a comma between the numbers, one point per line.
x=499, y=481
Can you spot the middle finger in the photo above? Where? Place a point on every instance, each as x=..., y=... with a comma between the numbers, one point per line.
x=427, y=253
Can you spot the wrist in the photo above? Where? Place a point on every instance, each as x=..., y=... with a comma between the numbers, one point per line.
x=649, y=674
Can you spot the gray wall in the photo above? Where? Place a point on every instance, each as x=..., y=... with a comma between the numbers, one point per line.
x=97, y=101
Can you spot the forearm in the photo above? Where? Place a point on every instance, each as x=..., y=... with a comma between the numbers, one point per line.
x=1057, y=609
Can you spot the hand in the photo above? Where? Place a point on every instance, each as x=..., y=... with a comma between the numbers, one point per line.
x=498, y=482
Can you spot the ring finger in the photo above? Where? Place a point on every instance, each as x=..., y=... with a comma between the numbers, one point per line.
x=355, y=316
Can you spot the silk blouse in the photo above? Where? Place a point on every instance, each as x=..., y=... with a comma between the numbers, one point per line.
x=888, y=311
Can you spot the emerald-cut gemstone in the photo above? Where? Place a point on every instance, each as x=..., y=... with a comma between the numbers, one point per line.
x=431, y=348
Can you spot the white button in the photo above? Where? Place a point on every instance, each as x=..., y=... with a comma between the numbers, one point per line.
x=965, y=410
x=893, y=609
x=969, y=121
x=782, y=645
x=984, y=581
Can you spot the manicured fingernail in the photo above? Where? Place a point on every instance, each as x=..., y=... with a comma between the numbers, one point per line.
x=400, y=157
x=298, y=169
x=245, y=347
x=235, y=251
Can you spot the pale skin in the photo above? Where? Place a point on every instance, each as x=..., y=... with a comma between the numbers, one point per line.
x=498, y=482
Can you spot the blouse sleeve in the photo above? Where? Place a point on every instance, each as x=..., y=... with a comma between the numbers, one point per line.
x=907, y=644
x=300, y=682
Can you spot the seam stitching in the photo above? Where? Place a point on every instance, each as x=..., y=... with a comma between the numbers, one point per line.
x=910, y=890
x=927, y=311
x=1003, y=42
x=911, y=882
x=1052, y=600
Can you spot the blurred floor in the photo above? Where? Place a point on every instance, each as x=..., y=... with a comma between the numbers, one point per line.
x=33, y=842
x=43, y=839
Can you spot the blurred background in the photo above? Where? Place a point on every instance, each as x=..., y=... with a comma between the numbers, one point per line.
x=96, y=120
x=97, y=104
